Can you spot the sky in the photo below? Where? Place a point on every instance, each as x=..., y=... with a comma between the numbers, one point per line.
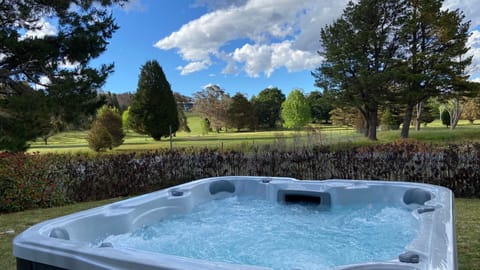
x=242, y=45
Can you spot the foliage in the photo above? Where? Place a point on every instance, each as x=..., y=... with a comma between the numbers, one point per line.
x=320, y=107
x=343, y=116
x=110, y=118
x=212, y=103
x=388, y=122
x=435, y=44
x=295, y=110
x=429, y=113
x=240, y=113
x=154, y=110
x=400, y=52
x=182, y=118
x=445, y=117
x=29, y=181
x=99, y=138
x=45, y=61
x=126, y=119
x=21, y=122
x=267, y=106
x=359, y=57
x=471, y=109
x=205, y=125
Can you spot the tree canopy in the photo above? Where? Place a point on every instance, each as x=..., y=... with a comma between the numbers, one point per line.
x=295, y=110
x=54, y=64
x=267, y=106
x=401, y=52
x=212, y=103
x=240, y=113
x=154, y=110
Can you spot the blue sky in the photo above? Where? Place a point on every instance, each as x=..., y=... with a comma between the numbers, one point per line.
x=242, y=45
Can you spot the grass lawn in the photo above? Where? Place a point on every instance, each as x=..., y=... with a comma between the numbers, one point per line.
x=74, y=141
x=467, y=224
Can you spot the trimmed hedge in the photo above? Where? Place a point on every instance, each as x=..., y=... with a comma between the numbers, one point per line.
x=33, y=180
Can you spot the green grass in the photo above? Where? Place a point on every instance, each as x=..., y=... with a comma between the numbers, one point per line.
x=467, y=224
x=74, y=141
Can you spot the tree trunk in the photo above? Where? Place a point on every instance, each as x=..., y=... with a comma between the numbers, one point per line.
x=456, y=113
x=406, y=122
x=372, y=126
x=418, y=120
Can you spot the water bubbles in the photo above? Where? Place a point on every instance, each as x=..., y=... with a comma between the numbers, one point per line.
x=263, y=233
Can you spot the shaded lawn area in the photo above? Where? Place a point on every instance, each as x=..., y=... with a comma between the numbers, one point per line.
x=467, y=224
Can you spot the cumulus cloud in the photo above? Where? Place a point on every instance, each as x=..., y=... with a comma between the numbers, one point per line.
x=293, y=24
x=261, y=36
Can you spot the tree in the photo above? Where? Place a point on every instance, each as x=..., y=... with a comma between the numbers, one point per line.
x=110, y=118
x=445, y=117
x=181, y=100
x=360, y=56
x=320, y=106
x=433, y=41
x=470, y=111
x=126, y=119
x=268, y=106
x=240, y=113
x=212, y=103
x=154, y=110
x=99, y=138
x=295, y=110
x=20, y=122
x=55, y=64
x=106, y=131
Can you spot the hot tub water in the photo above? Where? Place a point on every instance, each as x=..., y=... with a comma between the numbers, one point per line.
x=252, y=231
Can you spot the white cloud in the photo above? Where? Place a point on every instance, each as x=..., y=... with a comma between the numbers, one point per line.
x=43, y=28
x=194, y=67
x=474, y=44
x=275, y=34
x=134, y=5
x=294, y=25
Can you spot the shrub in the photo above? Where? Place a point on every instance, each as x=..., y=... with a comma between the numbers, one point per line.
x=29, y=181
x=99, y=138
x=107, y=130
x=445, y=116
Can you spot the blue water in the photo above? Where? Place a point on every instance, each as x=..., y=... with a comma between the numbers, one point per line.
x=263, y=233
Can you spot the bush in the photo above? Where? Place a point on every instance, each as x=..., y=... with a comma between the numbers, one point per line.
x=31, y=181
x=99, y=138
x=445, y=116
x=107, y=130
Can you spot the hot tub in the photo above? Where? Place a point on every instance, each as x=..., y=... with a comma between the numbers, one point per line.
x=118, y=235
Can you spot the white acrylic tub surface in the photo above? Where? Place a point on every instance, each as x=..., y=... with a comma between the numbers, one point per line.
x=66, y=242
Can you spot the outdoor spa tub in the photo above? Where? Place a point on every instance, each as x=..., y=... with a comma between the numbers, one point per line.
x=254, y=223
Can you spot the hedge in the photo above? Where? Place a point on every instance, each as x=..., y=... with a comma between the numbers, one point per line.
x=34, y=180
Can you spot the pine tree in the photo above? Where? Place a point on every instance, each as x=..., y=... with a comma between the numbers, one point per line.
x=81, y=35
x=154, y=110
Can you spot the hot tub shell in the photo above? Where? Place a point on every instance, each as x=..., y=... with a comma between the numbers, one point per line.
x=66, y=242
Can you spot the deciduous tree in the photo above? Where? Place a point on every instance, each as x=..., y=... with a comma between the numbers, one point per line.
x=295, y=110
x=212, y=103
x=240, y=113
x=268, y=106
